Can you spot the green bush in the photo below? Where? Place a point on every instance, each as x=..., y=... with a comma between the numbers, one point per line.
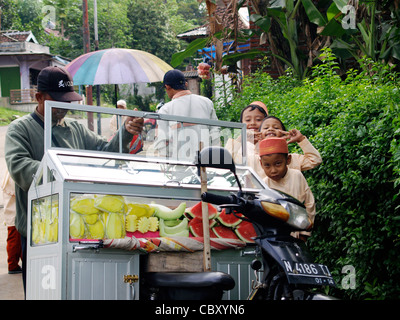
x=355, y=125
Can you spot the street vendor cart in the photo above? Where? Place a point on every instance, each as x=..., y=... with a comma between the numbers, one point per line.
x=99, y=222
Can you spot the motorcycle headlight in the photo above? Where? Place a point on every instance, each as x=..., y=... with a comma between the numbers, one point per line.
x=298, y=217
x=275, y=210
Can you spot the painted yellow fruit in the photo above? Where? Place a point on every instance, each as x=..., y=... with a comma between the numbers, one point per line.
x=153, y=224
x=51, y=231
x=35, y=230
x=140, y=210
x=84, y=205
x=90, y=218
x=131, y=223
x=51, y=225
x=115, y=227
x=76, y=226
x=96, y=230
x=143, y=224
x=110, y=203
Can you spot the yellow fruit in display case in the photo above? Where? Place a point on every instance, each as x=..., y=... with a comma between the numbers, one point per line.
x=76, y=226
x=35, y=223
x=131, y=223
x=153, y=224
x=110, y=203
x=84, y=204
x=143, y=224
x=35, y=229
x=115, y=227
x=96, y=230
x=90, y=218
x=45, y=220
x=139, y=210
x=51, y=225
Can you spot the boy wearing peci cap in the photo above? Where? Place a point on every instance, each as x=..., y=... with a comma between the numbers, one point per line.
x=275, y=159
x=24, y=142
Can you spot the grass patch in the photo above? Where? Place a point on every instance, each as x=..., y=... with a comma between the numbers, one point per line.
x=8, y=115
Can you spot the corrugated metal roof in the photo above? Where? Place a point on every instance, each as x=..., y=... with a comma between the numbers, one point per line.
x=191, y=74
x=197, y=33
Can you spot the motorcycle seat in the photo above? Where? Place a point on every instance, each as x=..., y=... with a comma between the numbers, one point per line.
x=218, y=280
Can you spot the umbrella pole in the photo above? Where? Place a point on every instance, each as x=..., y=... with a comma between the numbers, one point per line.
x=116, y=94
x=118, y=116
x=116, y=100
x=98, y=114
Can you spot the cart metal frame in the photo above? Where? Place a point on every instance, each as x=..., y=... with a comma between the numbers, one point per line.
x=70, y=270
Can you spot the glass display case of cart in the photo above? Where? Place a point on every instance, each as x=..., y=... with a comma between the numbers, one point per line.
x=90, y=195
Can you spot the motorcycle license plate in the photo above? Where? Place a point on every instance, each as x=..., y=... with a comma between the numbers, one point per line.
x=308, y=273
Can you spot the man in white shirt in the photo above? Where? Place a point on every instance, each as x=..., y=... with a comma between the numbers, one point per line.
x=181, y=140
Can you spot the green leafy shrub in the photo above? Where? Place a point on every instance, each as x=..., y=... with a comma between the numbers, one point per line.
x=355, y=125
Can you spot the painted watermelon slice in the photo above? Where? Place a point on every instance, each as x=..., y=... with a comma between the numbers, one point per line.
x=224, y=232
x=196, y=211
x=245, y=231
x=211, y=222
x=229, y=220
x=196, y=229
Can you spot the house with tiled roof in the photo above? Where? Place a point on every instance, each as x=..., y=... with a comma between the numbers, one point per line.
x=21, y=59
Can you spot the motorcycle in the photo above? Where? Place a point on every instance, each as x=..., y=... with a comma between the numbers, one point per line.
x=289, y=273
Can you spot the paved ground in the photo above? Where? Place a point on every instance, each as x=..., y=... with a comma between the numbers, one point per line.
x=10, y=284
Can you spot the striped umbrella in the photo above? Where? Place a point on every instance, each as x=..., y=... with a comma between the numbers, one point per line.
x=117, y=66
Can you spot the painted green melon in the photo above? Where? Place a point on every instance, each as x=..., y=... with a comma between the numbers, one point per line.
x=179, y=230
x=166, y=213
x=229, y=220
x=196, y=211
x=246, y=232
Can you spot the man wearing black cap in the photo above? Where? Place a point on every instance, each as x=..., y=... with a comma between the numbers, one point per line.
x=183, y=103
x=24, y=143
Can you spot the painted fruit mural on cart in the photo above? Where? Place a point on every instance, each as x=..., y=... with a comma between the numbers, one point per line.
x=222, y=225
x=113, y=217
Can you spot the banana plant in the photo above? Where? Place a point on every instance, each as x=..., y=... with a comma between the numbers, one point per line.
x=284, y=13
x=362, y=38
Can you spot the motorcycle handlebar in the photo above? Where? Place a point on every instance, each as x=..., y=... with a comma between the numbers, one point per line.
x=217, y=199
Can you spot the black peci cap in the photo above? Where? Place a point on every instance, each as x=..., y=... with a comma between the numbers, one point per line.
x=176, y=79
x=57, y=82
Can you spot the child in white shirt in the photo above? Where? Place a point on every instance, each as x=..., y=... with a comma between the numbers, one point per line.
x=275, y=160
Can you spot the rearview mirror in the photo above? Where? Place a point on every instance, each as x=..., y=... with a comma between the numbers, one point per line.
x=216, y=157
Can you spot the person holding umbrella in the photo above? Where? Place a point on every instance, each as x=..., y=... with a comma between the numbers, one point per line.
x=24, y=142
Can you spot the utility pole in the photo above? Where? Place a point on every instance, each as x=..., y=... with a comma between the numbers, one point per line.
x=86, y=46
